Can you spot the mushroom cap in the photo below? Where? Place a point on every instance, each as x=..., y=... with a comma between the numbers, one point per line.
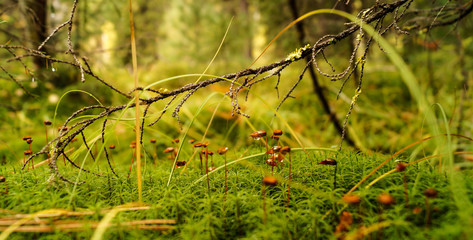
x=180, y=163
x=28, y=152
x=198, y=144
x=222, y=150
x=430, y=193
x=191, y=141
x=258, y=134
x=168, y=150
x=271, y=162
x=278, y=157
x=176, y=140
x=62, y=128
x=2, y=179
x=212, y=169
x=416, y=210
x=47, y=123
x=285, y=149
x=351, y=199
x=386, y=199
x=152, y=140
x=277, y=132
x=274, y=150
x=328, y=161
x=111, y=146
x=400, y=167
x=29, y=140
x=25, y=138
x=270, y=181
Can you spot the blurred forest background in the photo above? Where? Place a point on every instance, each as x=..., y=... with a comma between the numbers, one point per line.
x=181, y=37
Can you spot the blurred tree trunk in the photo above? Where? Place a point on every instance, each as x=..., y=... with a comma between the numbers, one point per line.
x=36, y=17
x=318, y=90
x=245, y=8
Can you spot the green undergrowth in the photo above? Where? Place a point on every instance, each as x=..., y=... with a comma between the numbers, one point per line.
x=314, y=211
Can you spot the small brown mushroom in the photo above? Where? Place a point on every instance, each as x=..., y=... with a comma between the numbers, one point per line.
x=258, y=134
x=333, y=162
x=222, y=150
x=277, y=132
x=274, y=150
x=180, y=163
x=198, y=145
x=171, y=150
x=168, y=150
x=328, y=161
x=59, y=129
x=351, y=199
x=386, y=199
x=400, y=167
x=284, y=150
x=270, y=181
x=430, y=193
x=25, y=138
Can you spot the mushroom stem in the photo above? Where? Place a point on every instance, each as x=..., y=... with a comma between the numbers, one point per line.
x=155, y=157
x=288, y=183
x=225, y=198
x=201, y=165
x=267, y=148
x=207, y=170
x=263, y=189
x=335, y=178
x=131, y=164
x=46, y=133
x=4, y=180
x=427, y=213
x=406, y=195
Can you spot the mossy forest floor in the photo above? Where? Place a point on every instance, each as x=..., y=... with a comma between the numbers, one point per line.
x=187, y=210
